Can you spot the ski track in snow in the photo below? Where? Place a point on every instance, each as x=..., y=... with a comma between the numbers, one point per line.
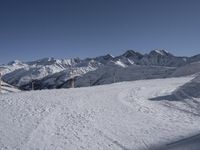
x=117, y=116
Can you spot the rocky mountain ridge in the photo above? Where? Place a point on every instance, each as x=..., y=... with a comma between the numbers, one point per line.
x=131, y=65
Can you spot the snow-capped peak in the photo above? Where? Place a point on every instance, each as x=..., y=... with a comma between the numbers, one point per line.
x=161, y=52
x=131, y=53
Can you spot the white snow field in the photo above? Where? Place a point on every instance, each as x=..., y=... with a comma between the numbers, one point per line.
x=118, y=116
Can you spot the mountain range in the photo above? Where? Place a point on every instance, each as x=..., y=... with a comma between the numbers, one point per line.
x=50, y=73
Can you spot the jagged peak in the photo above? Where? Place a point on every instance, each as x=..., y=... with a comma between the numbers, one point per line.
x=130, y=53
x=103, y=58
x=162, y=52
x=108, y=56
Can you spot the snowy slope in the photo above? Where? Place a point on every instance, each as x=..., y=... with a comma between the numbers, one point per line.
x=189, y=90
x=119, y=116
x=6, y=88
x=113, y=73
x=189, y=69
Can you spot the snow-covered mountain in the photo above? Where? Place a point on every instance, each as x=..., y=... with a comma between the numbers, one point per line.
x=42, y=68
x=131, y=65
x=163, y=58
x=12, y=66
x=120, y=116
x=112, y=73
x=57, y=79
x=130, y=57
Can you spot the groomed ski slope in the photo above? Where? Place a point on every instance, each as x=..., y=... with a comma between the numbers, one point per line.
x=119, y=116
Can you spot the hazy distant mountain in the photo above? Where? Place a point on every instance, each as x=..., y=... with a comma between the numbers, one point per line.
x=163, y=58
x=130, y=57
x=131, y=65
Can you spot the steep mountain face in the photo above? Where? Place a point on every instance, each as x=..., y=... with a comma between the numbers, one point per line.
x=131, y=65
x=130, y=57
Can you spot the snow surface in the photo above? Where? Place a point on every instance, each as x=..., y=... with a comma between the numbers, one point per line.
x=118, y=116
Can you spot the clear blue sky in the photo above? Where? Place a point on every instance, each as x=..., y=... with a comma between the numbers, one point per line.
x=32, y=29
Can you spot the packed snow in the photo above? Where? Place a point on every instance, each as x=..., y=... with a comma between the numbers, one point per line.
x=120, y=116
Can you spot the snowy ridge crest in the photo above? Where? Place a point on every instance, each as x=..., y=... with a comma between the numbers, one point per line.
x=55, y=73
